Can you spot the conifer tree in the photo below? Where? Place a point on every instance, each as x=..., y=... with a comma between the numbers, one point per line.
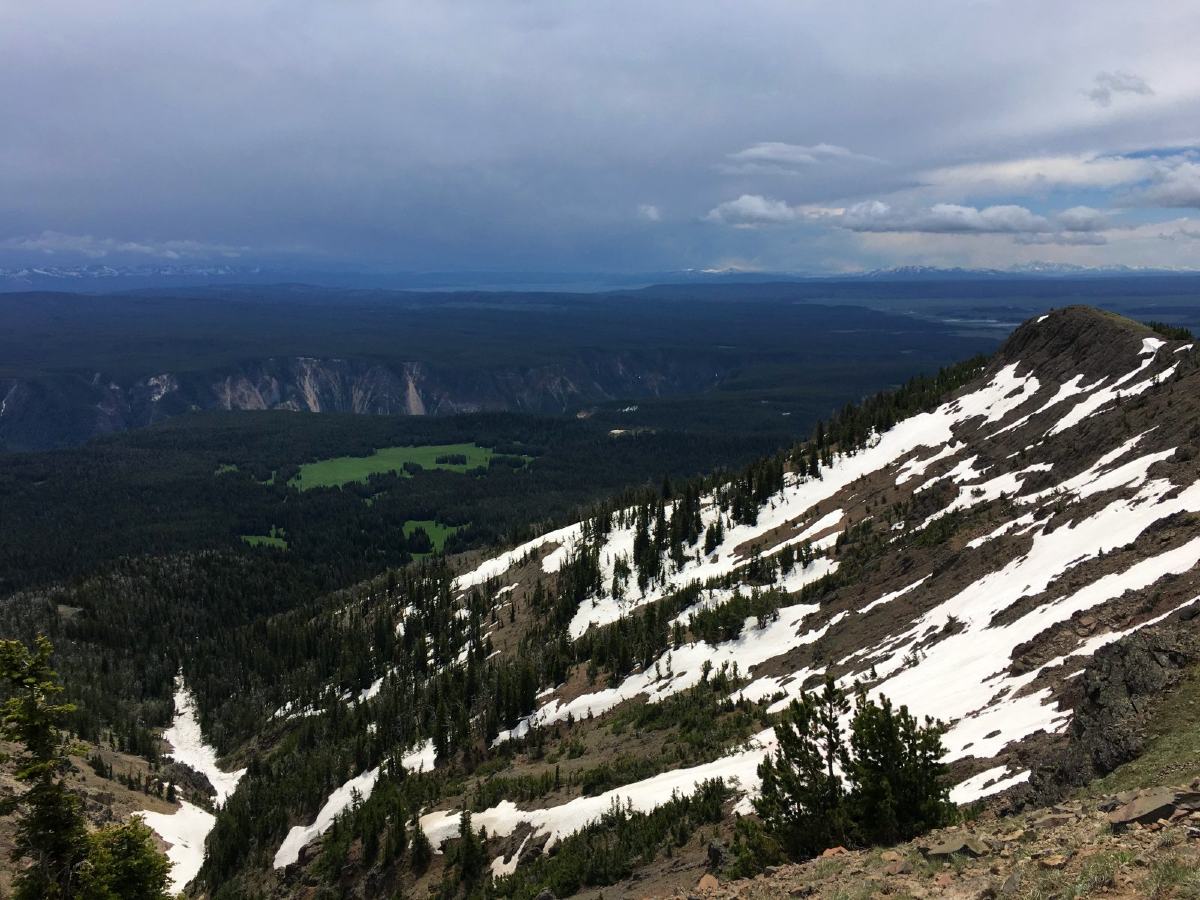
x=422, y=851
x=470, y=850
x=50, y=837
x=893, y=787
x=896, y=773
x=801, y=794
x=61, y=859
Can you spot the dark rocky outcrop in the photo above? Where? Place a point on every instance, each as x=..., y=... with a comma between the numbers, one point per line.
x=1117, y=691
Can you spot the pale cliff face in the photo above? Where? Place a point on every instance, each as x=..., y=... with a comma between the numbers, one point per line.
x=61, y=410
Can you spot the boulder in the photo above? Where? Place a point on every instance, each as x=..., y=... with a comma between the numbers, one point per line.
x=958, y=842
x=1012, y=884
x=898, y=867
x=1149, y=806
x=1053, y=820
x=708, y=883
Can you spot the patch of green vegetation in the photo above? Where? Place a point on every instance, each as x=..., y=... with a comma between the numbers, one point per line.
x=1170, y=332
x=436, y=530
x=274, y=539
x=225, y=468
x=401, y=460
x=1170, y=756
x=1173, y=876
x=610, y=848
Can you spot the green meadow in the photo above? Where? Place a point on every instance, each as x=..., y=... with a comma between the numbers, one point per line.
x=346, y=469
x=436, y=530
x=274, y=539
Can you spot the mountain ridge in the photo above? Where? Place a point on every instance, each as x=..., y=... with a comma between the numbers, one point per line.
x=944, y=534
x=997, y=546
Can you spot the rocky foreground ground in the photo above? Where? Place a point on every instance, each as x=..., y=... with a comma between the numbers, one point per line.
x=1137, y=844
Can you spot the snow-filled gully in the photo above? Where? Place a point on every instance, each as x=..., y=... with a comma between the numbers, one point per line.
x=186, y=829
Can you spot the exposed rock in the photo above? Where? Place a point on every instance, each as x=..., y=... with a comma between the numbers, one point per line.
x=185, y=778
x=958, y=842
x=898, y=867
x=708, y=883
x=834, y=851
x=1117, y=689
x=1012, y=884
x=1053, y=820
x=1152, y=806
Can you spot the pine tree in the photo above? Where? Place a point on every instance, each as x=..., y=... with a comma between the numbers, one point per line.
x=894, y=787
x=470, y=850
x=124, y=864
x=801, y=798
x=50, y=836
x=896, y=773
x=61, y=859
x=422, y=851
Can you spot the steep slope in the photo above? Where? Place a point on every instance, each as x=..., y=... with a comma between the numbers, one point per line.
x=1045, y=511
x=967, y=560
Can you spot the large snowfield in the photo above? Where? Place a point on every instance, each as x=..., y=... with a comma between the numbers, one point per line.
x=950, y=658
x=960, y=677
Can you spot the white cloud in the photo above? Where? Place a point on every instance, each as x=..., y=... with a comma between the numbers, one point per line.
x=1167, y=245
x=51, y=243
x=650, y=212
x=1106, y=84
x=1176, y=186
x=752, y=210
x=767, y=156
x=1181, y=234
x=1063, y=239
x=943, y=218
x=1082, y=218
x=1078, y=225
x=1034, y=174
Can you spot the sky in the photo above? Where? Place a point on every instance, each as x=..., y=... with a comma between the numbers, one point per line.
x=561, y=135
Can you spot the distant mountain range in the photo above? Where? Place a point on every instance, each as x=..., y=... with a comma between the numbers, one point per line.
x=106, y=278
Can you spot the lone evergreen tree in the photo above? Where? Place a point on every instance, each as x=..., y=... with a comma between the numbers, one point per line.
x=51, y=837
x=422, y=851
x=61, y=859
x=801, y=798
x=896, y=771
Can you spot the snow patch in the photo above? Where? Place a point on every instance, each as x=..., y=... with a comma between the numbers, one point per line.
x=991, y=781
x=184, y=831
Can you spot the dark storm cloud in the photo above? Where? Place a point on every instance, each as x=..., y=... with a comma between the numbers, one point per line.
x=522, y=134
